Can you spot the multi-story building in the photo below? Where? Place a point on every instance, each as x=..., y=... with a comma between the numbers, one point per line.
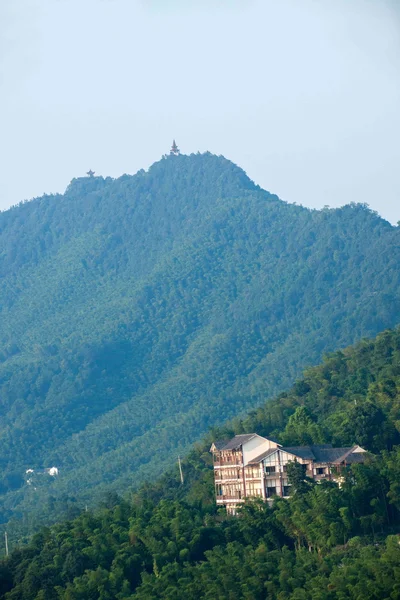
x=250, y=466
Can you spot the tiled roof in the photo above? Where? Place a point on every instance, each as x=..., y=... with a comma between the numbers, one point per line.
x=356, y=457
x=261, y=457
x=330, y=455
x=238, y=441
x=301, y=451
x=220, y=444
x=322, y=453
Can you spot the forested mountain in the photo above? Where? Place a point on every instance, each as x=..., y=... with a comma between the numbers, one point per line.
x=169, y=542
x=138, y=312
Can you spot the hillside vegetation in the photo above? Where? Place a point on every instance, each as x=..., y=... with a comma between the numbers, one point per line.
x=138, y=312
x=323, y=543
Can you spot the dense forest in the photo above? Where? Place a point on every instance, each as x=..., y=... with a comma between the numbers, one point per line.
x=138, y=312
x=169, y=542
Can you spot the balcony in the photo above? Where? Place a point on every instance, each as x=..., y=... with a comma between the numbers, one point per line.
x=321, y=476
x=219, y=478
x=221, y=499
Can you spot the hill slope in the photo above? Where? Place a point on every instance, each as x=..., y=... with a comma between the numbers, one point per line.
x=138, y=312
x=323, y=543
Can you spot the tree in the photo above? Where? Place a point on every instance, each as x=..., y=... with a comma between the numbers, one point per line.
x=298, y=480
x=301, y=429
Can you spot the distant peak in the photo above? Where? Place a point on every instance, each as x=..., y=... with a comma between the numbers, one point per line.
x=216, y=174
x=80, y=186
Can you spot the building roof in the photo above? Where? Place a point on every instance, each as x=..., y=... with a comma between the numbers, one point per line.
x=323, y=453
x=300, y=451
x=304, y=452
x=261, y=457
x=356, y=457
x=331, y=455
x=238, y=441
x=218, y=445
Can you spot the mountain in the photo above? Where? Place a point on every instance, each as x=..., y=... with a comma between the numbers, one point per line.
x=137, y=312
x=325, y=542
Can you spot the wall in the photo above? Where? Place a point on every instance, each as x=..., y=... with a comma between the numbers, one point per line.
x=255, y=447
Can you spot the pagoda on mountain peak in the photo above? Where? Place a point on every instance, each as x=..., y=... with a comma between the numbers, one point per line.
x=174, y=149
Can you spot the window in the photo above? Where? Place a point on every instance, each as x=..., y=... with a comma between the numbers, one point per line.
x=320, y=470
x=271, y=491
x=286, y=490
x=269, y=470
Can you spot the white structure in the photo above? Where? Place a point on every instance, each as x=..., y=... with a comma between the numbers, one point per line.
x=249, y=466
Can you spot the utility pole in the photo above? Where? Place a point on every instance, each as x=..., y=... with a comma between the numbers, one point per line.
x=6, y=541
x=180, y=468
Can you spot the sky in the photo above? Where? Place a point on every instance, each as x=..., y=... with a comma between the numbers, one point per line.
x=304, y=95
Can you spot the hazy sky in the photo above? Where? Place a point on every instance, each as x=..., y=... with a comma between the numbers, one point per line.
x=303, y=94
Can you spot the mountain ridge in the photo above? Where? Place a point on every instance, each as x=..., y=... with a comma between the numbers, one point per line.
x=160, y=304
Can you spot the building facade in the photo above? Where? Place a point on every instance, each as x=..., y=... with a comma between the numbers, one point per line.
x=251, y=466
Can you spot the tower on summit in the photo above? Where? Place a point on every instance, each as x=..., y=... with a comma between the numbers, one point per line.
x=174, y=149
x=90, y=173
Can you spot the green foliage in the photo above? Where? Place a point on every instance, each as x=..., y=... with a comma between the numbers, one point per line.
x=301, y=430
x=322, y=541
x=169, y=541
x=297, y=478
x=137, y=313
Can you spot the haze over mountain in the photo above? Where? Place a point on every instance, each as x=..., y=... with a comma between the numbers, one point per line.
x=138, y=312
x=320, y=125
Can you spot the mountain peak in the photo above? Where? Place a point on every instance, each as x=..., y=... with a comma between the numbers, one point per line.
x=138, y=311
x=218, y=170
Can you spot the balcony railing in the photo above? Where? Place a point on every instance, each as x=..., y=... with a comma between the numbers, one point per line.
x=320, y=476
x=228, y=497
